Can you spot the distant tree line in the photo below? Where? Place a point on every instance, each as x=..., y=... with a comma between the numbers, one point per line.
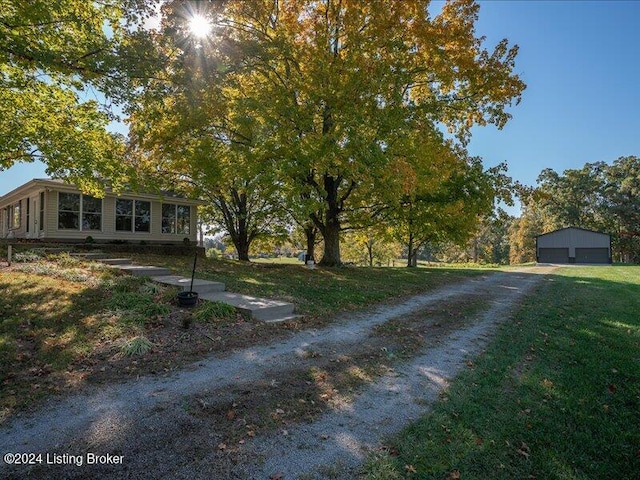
x=598, y=196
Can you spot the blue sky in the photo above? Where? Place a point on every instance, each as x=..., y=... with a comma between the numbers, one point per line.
x=581, y=62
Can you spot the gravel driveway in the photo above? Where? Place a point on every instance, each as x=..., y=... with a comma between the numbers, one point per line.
x=147, y=429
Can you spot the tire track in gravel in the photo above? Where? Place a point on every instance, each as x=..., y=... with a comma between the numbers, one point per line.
x=150, y=407
x=337, y=444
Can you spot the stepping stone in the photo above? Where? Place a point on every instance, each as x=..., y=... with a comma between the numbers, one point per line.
x=200, y=286
x=115, y=261
x=258, y=308
x=144, y=270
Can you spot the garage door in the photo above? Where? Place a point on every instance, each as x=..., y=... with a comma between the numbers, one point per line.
x=592, y=255
x=553, y=255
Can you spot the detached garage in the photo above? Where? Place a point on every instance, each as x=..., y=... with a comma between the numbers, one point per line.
x=573, y=245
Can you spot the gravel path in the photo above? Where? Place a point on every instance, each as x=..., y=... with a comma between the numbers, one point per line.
x=147, y=423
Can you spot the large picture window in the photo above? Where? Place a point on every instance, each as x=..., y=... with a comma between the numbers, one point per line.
x=76, y=211
x=176, y=218
x=133, y=215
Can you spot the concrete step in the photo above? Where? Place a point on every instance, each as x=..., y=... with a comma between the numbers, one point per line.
x=200, y=286
x=144, y=270
x=258, y=308
x=90, y=255
x=115, y=261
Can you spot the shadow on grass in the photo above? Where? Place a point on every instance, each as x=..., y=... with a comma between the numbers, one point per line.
x=46, y=325
x=321, y=291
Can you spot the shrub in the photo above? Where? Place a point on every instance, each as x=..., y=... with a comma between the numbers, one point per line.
x=137, y=303
x=186, y=241
x=89, y=239
x=138, y=345
x=214, y=311
x=28, y=256
x=65, y=260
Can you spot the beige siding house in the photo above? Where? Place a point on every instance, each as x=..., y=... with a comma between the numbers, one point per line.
x=52, y=210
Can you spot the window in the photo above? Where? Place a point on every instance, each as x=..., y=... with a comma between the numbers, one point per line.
x=91, y=213
x=124, y=215
x=14, y=215
x=176, y=218
x=142, y=220
x=41, y=211
x=133, y=215
x=69, y=211
x=184, y=219
x=72, y=207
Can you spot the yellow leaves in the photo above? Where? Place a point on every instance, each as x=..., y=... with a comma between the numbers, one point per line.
x=546, y=383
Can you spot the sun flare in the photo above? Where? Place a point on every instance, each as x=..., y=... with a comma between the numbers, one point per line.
x=199, y=26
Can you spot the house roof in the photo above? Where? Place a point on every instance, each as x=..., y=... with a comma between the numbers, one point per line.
x=573, y=228
x=59, y=184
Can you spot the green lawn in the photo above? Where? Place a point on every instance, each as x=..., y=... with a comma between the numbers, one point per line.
x=64, y=322
x=555, y=396
x=318, y=292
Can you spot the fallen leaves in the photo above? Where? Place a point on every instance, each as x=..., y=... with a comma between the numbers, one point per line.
x=410, y=468
x=524, y=450
x=547, y=383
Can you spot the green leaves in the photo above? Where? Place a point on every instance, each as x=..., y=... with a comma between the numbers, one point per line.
x=58, y=62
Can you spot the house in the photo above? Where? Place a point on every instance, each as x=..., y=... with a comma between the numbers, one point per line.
x=573, y=245
x=53, y=210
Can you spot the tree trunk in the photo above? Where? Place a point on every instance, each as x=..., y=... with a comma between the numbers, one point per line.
x=410, y=252
x=242, y=247
x=331, y=230
x=234, y=213
x=369, y=245
x=310, y=232
x=331, y=236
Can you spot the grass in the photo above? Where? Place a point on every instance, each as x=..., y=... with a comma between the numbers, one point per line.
x=318, y=292
x=555, y=396
x=58, y=316
x=66, y=321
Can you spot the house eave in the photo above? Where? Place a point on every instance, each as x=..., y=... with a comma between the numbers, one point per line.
x=53, y=185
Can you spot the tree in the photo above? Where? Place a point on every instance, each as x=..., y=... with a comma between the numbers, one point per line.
x=193, y=130
x=341, y=81
x=449, y=194
x=61, y=65
x=575, y=198
x=373, y=246
x=622, y=196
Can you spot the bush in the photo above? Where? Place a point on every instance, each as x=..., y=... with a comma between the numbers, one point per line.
x=214, y=311
x=89, y=239
x=138, y=345
x=137, y=303
x=25, y=257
